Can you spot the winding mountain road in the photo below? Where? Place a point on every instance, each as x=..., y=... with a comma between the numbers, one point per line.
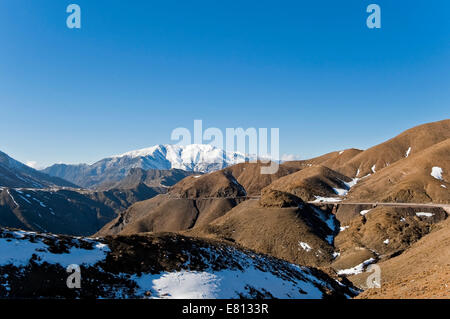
x=317, y=203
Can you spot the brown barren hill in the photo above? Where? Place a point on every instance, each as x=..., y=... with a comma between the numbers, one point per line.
x=280, y=224
x=404, y=145
x=383, y=232
x=152, y=178
x=422, y=271
x=250, y=177
x=421, y=178
x=332, y=160
x=194, y=201
x=311, y=182
x=217, y=184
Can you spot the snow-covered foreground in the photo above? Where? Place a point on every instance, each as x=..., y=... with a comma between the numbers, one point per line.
x=16, y=249
x=436, y=172
x=226, y=284
x=169, y=266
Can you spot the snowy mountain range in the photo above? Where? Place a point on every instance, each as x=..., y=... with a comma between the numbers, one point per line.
x=202, y=158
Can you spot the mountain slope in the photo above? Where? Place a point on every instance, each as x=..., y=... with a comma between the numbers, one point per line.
x=408, y=143
x=313, y=182
x=249, y=175
x=151, y=178
x=380, y=233
x=299, y=234
x=421, y=178
x=194, y=201
x=422, y=271
x=195, y=158
x=15, y=174
x=157, y=266
x=67, y=211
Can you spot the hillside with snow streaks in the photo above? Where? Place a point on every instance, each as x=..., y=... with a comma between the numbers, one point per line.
x=16, y=174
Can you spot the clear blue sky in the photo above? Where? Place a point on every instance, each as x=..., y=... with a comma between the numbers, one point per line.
x=138, y=69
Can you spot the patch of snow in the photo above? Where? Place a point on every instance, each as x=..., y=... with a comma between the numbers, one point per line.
x=352, y=182
x=327, y=199
x=342, y=228
x=420, y=214
x=330, y=220
x=408, y=152
x=373, y=168
x=336, y=254
x=386, y=241
x=305, y=246
x=436, y=172
x=25, y=199
x=224, y=284
x=18, y=252
x=443, y=186
x=40, y=203
x=357, y=269
x=365, y=211
x=402, y=219
x=10, y=195
x=341, y=152
x=340, y=191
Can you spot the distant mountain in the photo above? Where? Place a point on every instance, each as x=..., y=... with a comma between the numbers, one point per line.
x=193, y=158
x=79, y=211
x=16, y=174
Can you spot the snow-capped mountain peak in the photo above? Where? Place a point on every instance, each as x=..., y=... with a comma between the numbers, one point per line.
x=193, y=157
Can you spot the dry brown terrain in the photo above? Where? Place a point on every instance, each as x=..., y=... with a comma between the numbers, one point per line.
x=332, y=160
x=381, y=233
x=422, y=271
x=250, y=177
x=310, y=182
x=194, y=201
x=418, y=138
x=276, y=231
x=409, y=180
x=411, y=248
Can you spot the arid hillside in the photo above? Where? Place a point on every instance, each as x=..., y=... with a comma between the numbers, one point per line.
x=313, y=182
x=300, y=234
x=408, y=143
x=420, y=178
x=422, y=271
